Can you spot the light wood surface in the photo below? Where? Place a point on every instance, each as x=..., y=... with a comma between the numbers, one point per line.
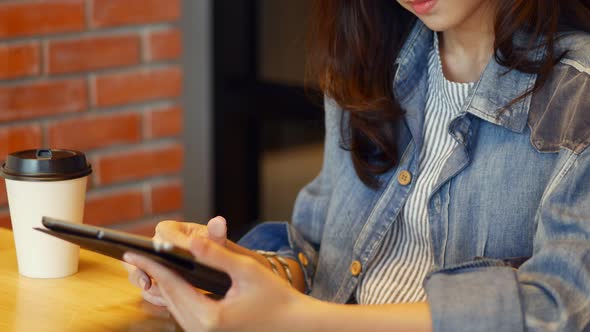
x=97, y=298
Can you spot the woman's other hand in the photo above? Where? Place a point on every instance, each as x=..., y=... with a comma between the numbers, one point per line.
x=179, y=234
x=258, y=300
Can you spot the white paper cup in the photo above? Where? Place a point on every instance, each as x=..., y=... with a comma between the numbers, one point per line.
x=55, y=190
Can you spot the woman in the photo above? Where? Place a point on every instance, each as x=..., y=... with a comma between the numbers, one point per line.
x=455, y=190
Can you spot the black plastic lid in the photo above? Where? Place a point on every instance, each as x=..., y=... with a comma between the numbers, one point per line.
x=45, y=165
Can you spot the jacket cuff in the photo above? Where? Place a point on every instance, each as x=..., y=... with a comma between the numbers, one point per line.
x=483, y=295
x=287, y=242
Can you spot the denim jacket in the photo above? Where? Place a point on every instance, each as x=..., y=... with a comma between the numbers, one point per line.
x=516, y=188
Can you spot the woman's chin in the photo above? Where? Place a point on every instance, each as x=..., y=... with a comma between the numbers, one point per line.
x=437, y=23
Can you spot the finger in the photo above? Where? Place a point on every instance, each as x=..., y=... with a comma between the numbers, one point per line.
x=154, y=299
x=220, y=258
x=217, y=229
x=137, y=277
x=182, y=299
x=153, y=295
x=154, y=290
x=169, y=230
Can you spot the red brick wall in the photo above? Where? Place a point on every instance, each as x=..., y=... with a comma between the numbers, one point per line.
x=103, y=77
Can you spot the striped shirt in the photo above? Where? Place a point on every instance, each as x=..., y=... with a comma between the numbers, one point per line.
x=396, y=273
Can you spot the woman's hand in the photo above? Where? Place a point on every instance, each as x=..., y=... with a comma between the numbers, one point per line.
x=179, y=234
x=258, y=300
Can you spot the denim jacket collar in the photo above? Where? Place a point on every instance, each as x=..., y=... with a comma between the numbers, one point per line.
x=486, y=101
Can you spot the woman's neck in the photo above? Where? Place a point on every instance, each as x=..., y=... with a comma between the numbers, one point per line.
x=467, y=48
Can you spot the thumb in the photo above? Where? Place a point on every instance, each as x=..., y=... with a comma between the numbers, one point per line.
x=217, y=229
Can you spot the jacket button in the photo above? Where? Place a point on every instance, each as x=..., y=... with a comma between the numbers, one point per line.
x=356, y=268
x=303, y=259
x=404, y=178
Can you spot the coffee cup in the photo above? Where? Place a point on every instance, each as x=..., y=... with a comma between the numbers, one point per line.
x=45, y=182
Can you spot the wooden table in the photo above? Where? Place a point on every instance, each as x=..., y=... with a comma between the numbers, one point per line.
x=97, y=298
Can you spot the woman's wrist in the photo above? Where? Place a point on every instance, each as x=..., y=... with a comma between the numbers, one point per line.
x=278, y=263
x=298, y=279
x=301, y=313
x=286, y=268
x=310, y=314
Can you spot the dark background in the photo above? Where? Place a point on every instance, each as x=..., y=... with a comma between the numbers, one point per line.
x=260, y=106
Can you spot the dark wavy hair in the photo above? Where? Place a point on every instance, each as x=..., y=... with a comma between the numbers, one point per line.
x=352, y=44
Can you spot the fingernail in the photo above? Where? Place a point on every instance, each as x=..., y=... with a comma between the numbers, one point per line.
x=127, y=257
x=143, y=283
x=218, y=227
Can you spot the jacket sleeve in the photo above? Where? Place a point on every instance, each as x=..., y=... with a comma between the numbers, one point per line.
x=550, y=291
x=301, y=239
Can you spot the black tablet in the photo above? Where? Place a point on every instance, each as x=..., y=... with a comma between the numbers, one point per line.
x=114, y=244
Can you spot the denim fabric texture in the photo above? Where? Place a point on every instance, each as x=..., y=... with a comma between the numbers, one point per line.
x=516, y=186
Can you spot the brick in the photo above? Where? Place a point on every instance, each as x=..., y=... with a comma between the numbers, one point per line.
x=165, y=122
x=5, y=220
x=3, y=195
x=20, y=60
x=14, y=139
x=91, y=132
x=112, y=208
x=138, y=86
x=33, y=100
x=39, y=17
x=165, y=45
x=166, y=197
x=140, y=164
x=67, y=56
x=91, y=178
x=106, y=13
